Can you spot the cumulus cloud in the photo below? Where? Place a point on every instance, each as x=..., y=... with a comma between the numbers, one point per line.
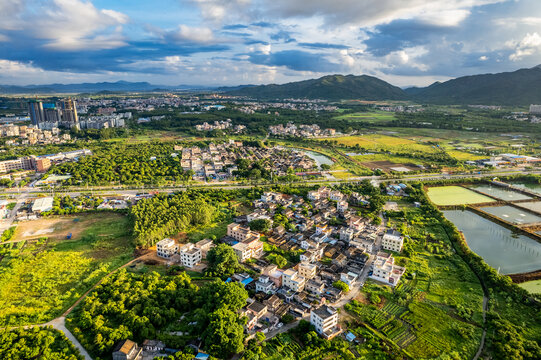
x=529, y=45
x=218, y=10
x=192, y=34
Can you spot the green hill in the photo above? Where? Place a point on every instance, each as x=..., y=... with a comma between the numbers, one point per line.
x=521, y=87
x=332, y=87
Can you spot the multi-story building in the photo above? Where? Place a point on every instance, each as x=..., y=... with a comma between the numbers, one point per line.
x=325, y=320
x=342, y=206
x=241, y=233
x=204, y=245
x=264, y=284
x=35, y=110
x=392, y=240
x=315, y=286
x=347, y=234
x=307, y=270
x=385, y=270
x=166, y=248
x=250, y=248
x=190, y=255
x=293, y=280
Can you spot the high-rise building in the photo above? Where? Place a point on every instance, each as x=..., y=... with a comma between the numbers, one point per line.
x=35, y=110
x=69, y=111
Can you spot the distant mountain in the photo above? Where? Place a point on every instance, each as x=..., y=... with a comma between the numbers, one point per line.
x=331, y=87
x=521, y=87
x=101, y=87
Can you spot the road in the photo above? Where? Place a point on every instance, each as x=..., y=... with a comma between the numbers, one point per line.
x=126, y=190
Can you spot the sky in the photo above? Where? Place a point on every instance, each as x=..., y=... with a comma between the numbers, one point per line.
x=233, y=42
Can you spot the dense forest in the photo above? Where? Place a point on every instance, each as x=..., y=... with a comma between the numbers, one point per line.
x=36, y=343
x=130, y=164
x=171, y=309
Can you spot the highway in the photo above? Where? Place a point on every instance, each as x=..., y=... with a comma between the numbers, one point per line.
x=24, y=192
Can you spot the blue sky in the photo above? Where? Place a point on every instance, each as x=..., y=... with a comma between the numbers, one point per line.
x=231, y=42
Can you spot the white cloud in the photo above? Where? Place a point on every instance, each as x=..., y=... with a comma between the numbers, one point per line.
x=529, y=45
x=483, y=58
x=373, y=12
x=192, y=34
x=218, y=10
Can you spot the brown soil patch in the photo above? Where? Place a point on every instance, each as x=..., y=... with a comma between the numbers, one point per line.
x=55, y=228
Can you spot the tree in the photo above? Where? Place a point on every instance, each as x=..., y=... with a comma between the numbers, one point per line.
x=222, y=261
x=339, y=284
x=224, y=334
x=261, y=225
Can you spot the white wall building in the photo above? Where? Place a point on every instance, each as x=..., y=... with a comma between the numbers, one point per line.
x=190, y=255
x=325, y=320
x=392, y=240
x=166, y=248
x=293, y=280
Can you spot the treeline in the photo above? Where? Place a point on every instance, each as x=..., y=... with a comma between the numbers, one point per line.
x=139, y=307
x=128, y=164
x=36, y=343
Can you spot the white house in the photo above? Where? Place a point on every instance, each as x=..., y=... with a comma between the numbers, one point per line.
x=293, y=280
x=385, y=271
x=325, y=320
x=392, y=240
x=166, y=248
x=190, y=255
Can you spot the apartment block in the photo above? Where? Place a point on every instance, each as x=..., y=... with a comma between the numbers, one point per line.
x=190, y=255
x=325, y=320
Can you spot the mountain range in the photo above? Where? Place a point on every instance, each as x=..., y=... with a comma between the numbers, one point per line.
x=521, y=87
x=119, y=86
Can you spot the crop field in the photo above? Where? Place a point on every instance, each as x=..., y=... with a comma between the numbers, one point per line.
x=377, y=142
x=437, y=306
x=533, y=287
x=455, y=195
x=368, y=116
x=464, y=156
x=44, y=273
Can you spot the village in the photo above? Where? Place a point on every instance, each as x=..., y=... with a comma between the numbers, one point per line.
x=334, y=261
x=219, y=161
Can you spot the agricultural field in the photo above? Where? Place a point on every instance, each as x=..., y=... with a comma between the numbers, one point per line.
x=464, y=156
x=533, y=287
x=455, y=195
x=436, y=308
x=44, y=273
x=370, y=117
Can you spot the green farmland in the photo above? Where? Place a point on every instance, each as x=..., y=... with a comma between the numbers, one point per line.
x=534, y=287
x=455, y=195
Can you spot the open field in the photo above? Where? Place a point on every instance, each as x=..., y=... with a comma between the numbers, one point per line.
x=388, y=166
x=455, y=195
x=368, y=116
x=534, y=287
x=45, y=273
x=377, y=142
x=464, y=156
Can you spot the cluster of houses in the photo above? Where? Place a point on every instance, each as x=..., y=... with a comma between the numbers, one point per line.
x=303, y=130
x=31, y=135
x=220, y=125
x=218, y=161
x=328, y=253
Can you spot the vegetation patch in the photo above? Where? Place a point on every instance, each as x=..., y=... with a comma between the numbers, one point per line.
x=455, y=195
x=42, y=277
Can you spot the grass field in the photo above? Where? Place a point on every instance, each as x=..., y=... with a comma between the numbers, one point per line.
x=377, y=142
x=45, y=273
x=368, y=116
x=534, y=287
x=464, y=156
x=455, y=195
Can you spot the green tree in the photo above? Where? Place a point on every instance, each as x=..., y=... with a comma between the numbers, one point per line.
x=222, y=261
x=261, y=225
x=339, y=284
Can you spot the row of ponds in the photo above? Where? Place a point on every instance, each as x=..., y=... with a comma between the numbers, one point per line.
x=507, y=251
